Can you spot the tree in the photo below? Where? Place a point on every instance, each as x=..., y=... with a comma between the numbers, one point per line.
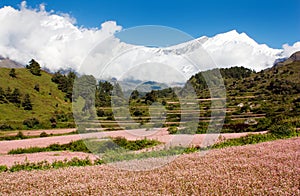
x=15, y=97
x=8, y=93
x=150, y=97
x=26, y=104
x=37, y=87
x=12, y=73
x=34, y=67
x=53, y=122
x=2, y=95
x=65, y=83
x=135, y=94
x=103, y=94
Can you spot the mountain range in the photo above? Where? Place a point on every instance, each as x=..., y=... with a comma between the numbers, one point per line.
x=170, y=64
x=56, y=42
x=8, y=63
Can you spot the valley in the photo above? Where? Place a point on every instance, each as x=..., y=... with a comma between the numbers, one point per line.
x=265, y=104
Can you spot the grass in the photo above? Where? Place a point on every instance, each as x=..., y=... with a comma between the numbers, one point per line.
x=277, y=132
x=20, y=136
x=90, y=145
x=44, y=165
x=78, y=146
x=123, y=155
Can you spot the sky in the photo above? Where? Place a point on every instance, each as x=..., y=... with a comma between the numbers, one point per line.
x=272, y=22
x=88, y=36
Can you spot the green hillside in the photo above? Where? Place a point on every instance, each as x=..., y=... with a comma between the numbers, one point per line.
x=256, y=101
x=47, y=101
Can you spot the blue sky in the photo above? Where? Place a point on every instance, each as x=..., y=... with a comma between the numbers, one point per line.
x=272, y=22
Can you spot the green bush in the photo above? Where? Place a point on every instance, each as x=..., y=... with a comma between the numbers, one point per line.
x=248, y=139
x=31, y=122
x=283, y=130
x=43, y=165
x=5, y=127
x=134, y=145
x=44, y=134
x=172, y=130
x=100, y=146
x=20, y=135
x=78, y=146
x=3, y=168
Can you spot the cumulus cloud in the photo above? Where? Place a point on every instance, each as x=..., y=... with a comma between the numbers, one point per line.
x=57, y=42
x=289, y=50
x=53, y=40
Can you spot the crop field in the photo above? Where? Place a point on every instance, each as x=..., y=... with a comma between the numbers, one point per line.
x=161, y=135
x=270, y=168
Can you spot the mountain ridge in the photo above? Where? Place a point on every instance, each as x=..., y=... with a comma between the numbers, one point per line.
x=8, y=63
x=226, y=49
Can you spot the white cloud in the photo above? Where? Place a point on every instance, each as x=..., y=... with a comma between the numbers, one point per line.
x=289, y=50
x=56, y=42
x=51, y=39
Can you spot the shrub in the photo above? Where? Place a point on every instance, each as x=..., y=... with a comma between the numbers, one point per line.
x=37, y=87
x=44, y=134
x=101, y=146
x=100, y=113
x=27, y=103
x=53, y=122
x=42, y=165
x=236, y=127
x=31, y=122
x=78, y=146
x=12, y=73
x=3, y=168
x=172, y=130
x=135, y=145
x=20, y=135
x=283, y=130
x=5, y=127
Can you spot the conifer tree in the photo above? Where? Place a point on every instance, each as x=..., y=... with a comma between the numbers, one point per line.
x=26, y=104
x=15, y=97
x=34, y=67
x=12, y=73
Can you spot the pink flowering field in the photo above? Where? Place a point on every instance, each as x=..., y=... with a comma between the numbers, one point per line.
x=270, y=168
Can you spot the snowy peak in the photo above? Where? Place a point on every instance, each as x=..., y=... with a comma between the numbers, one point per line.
x=238, y=49
x=232, y=36
x=229, y=49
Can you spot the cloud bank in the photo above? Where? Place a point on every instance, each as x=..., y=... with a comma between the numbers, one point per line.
x=53, y=40
x=289, y=50
x=56, y=42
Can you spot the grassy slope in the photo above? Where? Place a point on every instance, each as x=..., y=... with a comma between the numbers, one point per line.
x=44, y=104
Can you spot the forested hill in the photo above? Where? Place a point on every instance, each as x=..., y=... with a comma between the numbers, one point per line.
x=29, y=99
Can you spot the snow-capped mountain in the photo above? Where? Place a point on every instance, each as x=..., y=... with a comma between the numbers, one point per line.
x=231, y=49
x=57, y=43
x=179, y=62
